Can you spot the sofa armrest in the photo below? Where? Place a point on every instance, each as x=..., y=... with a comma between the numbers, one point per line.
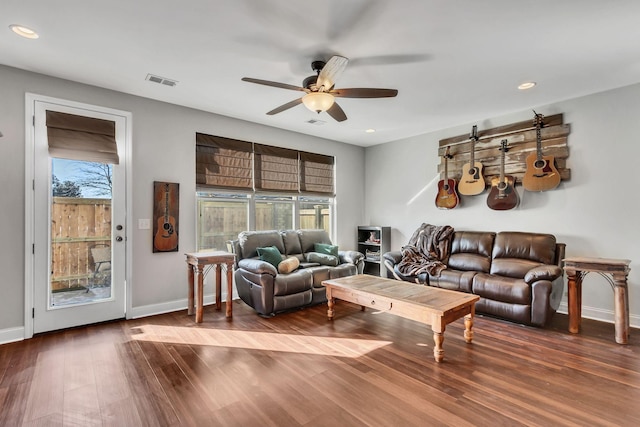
x=543, y=272
x=257, y=266
x=393, y=257
x=352, y=257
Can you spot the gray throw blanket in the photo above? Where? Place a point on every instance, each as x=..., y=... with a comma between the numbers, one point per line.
x=426, y=251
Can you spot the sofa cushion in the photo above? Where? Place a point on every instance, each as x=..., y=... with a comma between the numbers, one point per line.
x=250, y=241
x=323, y=259
x=288, y=265
x=291, y=242
x=270, y=254
x=512, y=267
x=343, y=270
x=456, y=280
x=471, y=251
x=308, y=238
x=325, y=248
x=504, y=289
x=540, y=248
x=293, y=283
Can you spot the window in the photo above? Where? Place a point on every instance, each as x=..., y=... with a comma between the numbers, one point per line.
x=247, y=186
x=221, y=216
x=315, y=213
x=274, y=212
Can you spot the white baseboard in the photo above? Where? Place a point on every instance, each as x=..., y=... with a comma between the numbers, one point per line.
x=11, y=335
x=168, y=307
x=600, y=314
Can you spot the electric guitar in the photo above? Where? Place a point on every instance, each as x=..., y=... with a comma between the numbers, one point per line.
x=447, y=198
x=503, y=195
x=541, y=173
x=166, y=238
x=472, y=182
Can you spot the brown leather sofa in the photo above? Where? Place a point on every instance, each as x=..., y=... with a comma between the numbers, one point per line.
x=517, y=275
x=261, y=286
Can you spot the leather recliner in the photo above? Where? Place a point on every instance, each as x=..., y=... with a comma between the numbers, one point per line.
x=517, y=275
x=262, y=287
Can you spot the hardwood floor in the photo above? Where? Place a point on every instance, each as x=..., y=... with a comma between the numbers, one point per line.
x=298, y=369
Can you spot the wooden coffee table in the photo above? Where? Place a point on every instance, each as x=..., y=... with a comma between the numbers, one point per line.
x=425, y=304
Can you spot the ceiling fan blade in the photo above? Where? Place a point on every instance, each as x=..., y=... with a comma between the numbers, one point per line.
x=330, y=72
x=284, y=107
x=337, y=113
x=274, y=84
x=364, y=92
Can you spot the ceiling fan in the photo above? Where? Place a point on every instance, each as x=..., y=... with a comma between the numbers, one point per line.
x=320, y=92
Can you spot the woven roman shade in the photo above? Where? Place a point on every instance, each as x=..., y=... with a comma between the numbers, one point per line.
x=233, y=164
x=316, y=174
x=276, y=169
x=223, y=162
x=81, y=138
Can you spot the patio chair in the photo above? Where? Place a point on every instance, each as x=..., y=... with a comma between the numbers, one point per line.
x=101, y=254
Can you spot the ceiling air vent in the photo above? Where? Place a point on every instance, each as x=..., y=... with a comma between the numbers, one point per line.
x=161, y=80
x=316, y=122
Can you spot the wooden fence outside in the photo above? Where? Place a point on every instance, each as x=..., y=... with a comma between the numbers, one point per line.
x=77, y=225
x=222, y=221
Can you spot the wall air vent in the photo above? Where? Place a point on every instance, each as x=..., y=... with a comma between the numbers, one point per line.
x=161, y=80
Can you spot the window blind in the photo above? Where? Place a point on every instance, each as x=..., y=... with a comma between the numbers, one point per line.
x=81, y=138
x=316, y=175
x=234, y=164
x=275, y=168
x=223, y=162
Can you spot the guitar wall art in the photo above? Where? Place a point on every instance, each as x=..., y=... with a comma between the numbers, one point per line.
x=472, y=181
x=503, y=195
x=447, y=197
x=166, y=197
x=535, y=155
x=541, y=173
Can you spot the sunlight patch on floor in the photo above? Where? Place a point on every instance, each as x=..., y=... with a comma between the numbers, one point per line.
x=267, y=341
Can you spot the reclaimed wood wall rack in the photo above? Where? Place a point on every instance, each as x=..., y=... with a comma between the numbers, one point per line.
x=521, y=137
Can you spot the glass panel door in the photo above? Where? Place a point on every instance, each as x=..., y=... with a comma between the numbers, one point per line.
x=80, y=232
x=79, y=235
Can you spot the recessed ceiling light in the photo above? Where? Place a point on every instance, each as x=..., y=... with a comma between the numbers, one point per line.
x=370, y=130
x=23, y=31
x=526, y=85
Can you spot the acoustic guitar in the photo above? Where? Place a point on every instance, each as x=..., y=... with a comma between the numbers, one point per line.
x=503, y=195
x=447, y=198
x=541, y=173
x=472, y=182
x=166, y=238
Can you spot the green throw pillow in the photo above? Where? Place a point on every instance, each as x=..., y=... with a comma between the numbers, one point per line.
x=270, y=254
x=323, y=259
x=325, y=248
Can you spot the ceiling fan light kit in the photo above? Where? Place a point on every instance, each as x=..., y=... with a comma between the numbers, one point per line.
x=320, y=92
x=318, y=101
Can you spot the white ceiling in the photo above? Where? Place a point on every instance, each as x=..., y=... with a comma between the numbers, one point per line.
x=453, y=62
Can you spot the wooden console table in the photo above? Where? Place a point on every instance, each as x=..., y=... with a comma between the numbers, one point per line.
x=199, y=264
x=615, y=271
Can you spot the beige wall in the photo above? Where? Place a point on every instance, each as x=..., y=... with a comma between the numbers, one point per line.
x=595, y=213
x=163, y=150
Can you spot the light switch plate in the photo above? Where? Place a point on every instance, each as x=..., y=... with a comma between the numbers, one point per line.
x=144, y=224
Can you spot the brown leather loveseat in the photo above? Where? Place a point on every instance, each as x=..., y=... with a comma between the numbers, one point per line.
x=517, y=275
x=268, y=290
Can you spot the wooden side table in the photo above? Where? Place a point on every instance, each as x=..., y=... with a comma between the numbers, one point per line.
x=615, y=271
x=199, y=264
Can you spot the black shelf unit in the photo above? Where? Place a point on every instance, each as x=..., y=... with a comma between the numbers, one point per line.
x=373, y=242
